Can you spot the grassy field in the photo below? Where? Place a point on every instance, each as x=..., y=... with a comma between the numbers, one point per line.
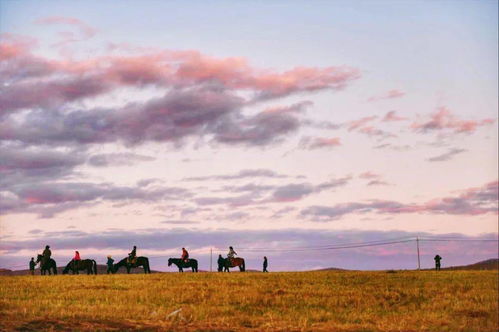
x=301, y=301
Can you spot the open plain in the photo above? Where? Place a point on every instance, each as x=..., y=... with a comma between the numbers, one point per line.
x=287, y=301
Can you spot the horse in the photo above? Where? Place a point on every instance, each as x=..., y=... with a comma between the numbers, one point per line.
x=138, y=261
x=49, y=264
x=192, y=263
x=86, y=264
x=226, y=263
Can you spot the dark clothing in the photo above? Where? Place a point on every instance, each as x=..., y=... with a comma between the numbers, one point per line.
x=47, y=253
x=437, y=262
x=46, y=256
x=110, y=263
x=132, y=255
x=32, y=265
x=221, y=263
x=265, y=264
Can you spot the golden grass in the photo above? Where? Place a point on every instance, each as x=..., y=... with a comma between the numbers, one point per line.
x=298, y=301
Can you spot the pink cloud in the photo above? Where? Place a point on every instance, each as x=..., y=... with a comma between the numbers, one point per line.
x=352, y=125
x=86, y=30
x=311, y=143
x=165, y=69
x=391, y=116
x=443, y=119
x=391, y=94
x=369, y=175
x=473, y=201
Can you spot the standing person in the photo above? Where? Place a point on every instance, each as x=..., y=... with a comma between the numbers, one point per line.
x=46, y=256
x=221, y=263
x=265, y=264
x=76, y=260
x=109, y=263
x=185, y=255
x=132, y=255
x=32, y=265
x=437, y=262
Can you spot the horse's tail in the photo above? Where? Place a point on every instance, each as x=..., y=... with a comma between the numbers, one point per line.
x=147, y=268
x=94, y=265
x=195, y=265
x=243, y=265
x=55, y=267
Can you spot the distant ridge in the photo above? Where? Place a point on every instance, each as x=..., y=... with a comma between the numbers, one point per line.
x=489, y=264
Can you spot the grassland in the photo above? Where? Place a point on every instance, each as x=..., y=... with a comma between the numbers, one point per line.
x=306, y=301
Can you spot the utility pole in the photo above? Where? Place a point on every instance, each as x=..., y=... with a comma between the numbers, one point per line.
x=417, y=245
x=211, y=259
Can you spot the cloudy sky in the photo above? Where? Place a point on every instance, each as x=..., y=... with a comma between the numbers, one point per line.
x=261, y=125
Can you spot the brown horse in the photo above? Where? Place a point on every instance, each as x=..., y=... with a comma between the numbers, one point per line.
x=227, y=263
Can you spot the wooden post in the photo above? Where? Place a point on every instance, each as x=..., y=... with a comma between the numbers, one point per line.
x=211, y=259
x=417, y=245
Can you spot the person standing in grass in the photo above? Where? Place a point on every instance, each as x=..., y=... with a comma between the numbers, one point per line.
x=109, y=263
x=32, y=265
x=265, y=264
x=437, y=262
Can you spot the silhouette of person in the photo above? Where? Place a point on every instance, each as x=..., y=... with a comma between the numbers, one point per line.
x=437, y=262
x=76, y=259
x=265, y=264
x=221, y=263
x=32, y=265
x=45, y=256
x=185, y=255
x=109, y=263
x=132, y=255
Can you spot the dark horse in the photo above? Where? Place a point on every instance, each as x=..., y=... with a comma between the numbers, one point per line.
x=50, y=264
x=86, y=264
x=226, y=263
x=192, y=263
x=139, y=261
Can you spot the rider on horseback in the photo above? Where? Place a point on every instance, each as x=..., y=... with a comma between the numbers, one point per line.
x=132, y=256
x=46, y=256
x=76, y=260
x=231, y=254
x=185, y=255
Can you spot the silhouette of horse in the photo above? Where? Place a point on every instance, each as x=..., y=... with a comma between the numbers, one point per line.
x=86, y=264
x=192, y=263
x=226, y=263
x=139, y=261
x=50, y=264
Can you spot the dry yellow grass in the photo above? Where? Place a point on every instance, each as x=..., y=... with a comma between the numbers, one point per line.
x=301, y=301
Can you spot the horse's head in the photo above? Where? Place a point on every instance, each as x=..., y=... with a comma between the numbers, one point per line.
x=169, y=262
x=38, y=258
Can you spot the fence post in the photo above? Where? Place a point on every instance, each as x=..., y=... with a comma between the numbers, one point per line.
x=211, y=259
x=417, y=245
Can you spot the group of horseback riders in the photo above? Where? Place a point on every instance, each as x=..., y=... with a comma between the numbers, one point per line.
x=77, y=264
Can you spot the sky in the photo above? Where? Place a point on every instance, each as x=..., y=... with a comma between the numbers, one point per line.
x=274, y=127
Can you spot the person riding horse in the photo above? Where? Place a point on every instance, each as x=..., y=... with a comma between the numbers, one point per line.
x=46, y=256
x=231, y=254
x=185, y=255
x=76, y=260
x=132, y=256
